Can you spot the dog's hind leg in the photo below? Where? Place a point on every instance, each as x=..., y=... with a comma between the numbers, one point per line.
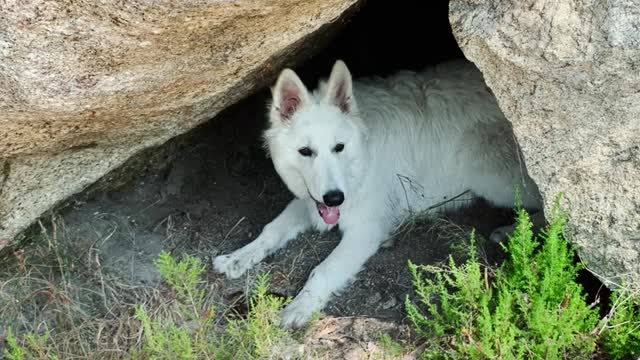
x=334, y=273
x=293, y=220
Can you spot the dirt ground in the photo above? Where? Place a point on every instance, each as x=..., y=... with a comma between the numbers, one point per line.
x=216, y=197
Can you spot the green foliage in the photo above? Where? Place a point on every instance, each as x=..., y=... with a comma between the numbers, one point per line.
x=184, y=278
x=31, y=346
x=180, y=324
x=194, y=335
x=531, y=307
x=259, y=334
x=390, y=347
x=163, y=340
x=621, y=336
x=14, y=350
x=166, y=337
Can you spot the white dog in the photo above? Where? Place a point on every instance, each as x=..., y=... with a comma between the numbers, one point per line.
x=368, y=154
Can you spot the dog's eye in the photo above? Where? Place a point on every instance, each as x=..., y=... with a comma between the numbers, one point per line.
x=339, y=148
x=305, y=151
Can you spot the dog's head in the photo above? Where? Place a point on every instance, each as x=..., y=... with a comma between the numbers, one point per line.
x=317, y=140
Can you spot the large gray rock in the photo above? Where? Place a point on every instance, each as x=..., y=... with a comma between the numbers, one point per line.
x=86, y=85
x=567, y=75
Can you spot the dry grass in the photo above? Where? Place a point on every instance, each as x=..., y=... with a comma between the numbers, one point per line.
x=59, y=287
x=443, y=231
x=59, y=300
x=56, y=289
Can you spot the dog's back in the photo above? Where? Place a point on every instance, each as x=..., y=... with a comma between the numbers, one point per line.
x=435, y=134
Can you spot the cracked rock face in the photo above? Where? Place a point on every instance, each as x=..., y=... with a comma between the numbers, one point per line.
x=84, y=86
x=567, y=75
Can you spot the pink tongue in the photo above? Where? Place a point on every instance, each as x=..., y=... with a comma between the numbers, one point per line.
x=330, y=215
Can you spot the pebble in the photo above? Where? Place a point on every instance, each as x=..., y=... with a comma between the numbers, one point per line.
x=374, y=299
x=392, y=302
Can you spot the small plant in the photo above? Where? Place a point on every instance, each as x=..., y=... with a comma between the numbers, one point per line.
x=193, y=334
x=259, y=335
x=167, y=337
x=32, y=346
x=530, y=307
x=184, y=278
x=621, y=330
x=14, y=350
x=164, y=340
x=177, y=322
x=390, y=347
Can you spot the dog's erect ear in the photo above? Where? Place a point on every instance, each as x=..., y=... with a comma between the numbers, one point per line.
x=340, y=88
x=289, y=94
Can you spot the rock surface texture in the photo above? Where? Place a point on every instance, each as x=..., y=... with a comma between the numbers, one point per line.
x=84, y=85
x=567, y=75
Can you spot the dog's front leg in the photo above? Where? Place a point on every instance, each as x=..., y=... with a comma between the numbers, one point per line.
x=358, y=244
x=293, y=220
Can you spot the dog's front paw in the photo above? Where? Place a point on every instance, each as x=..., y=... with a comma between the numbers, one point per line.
x=298, y=313
x=232, y=265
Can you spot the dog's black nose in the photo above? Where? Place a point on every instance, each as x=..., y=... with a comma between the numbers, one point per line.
x=333, y=198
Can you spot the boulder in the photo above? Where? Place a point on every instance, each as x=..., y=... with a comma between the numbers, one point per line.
x=84, y=86
x=567, y=75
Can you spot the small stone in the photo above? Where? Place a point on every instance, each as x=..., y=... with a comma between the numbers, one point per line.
x=392, y=302
x=373, y=299
x=292, y=351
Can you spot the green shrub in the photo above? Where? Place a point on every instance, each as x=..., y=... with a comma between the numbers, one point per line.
x=390, y=347
x=184, y=326
x=31, y=346
x=621, y=331
x=259, y=335
x=531, y=307
x=14, y=350
x=163, y=339
x=179, y=334
x=194, y=335
x=184, y=278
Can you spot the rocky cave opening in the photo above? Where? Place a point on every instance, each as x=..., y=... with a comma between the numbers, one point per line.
x=219, y=189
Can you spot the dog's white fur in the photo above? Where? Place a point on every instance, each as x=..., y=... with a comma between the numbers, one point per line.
x=410, y=141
